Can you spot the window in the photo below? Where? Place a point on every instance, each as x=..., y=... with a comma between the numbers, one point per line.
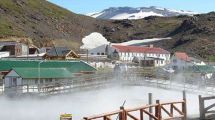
x=41, y=81
x=91, y=53
x=98, y=53
x=36, y=81
x=103, y=53
x=14, y=82
x=48, y=80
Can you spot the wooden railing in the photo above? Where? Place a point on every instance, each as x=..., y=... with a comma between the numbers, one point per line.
x=162, y=111
x=61, y=86
x=205, y=110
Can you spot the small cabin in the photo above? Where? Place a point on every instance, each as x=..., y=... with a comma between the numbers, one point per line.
x=180, y=61
x=61, y=53
x=32, y=73
x=20, y=78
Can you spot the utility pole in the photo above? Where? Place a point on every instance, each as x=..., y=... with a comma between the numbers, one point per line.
x=87, y=55
x=55, y=49
x=27, y=48
x=150, y=102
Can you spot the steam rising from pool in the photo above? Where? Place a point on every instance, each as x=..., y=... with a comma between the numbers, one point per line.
x=87, y=102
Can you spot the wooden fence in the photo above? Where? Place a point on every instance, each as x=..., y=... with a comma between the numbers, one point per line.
x=162, y=111
x=83, y=81
x=205, y=110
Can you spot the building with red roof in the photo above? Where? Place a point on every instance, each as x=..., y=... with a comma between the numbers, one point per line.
x=157, y=56
x=182, y=56
x=180, y=60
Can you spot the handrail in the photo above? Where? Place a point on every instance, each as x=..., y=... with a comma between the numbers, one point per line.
x=159, y=107
x=143, y=107
x=175, y=102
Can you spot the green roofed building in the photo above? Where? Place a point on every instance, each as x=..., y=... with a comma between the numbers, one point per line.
x=72, y=66
x=201, y=71
x=41, y=73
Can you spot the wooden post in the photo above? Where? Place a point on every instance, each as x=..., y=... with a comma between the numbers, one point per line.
x=105, y=118
x=171, y=109
x=201, y=108
x=141, y=114
x=150, y=102
x=158, y=110
x=122, y=115
x=85, y=118
x=184, y=106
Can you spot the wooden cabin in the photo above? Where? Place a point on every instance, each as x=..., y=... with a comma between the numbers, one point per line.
x=61, y=53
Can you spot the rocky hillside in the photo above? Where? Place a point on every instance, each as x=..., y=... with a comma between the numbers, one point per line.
x=43, y=22
x=46, y=23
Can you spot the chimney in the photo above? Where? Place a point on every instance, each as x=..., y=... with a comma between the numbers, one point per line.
x=151, y=46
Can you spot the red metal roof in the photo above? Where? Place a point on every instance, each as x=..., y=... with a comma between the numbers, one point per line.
x=182, y=56
x=139, y=49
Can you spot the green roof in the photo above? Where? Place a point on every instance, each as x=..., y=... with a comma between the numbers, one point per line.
x=43, y=72
x=203, y=68
x=72, y=66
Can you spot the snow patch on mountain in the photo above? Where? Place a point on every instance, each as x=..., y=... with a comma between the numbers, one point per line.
x=95, y=14
x=138, y=13
x=136, y=42
x=182, y=12
x=96, y=39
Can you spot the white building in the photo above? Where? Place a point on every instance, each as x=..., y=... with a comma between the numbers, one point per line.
x=148, y=55
x=100, y=50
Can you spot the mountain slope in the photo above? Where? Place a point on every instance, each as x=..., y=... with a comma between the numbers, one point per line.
x=41, y=21
x=119, y=13
x=45, y=23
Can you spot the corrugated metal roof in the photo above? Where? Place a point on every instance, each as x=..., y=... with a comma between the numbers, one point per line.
x=203, y=69
x=58, y=51
x=139, y=49
x=43, y=72
x=72, y=66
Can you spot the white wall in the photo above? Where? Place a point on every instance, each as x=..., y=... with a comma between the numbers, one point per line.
x=24, y=49
x=102, y=64
x=128, y=56
x=98, y=50
x=4, y=54
x=124, y=56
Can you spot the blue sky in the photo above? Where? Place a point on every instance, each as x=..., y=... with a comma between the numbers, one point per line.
x=88, y=6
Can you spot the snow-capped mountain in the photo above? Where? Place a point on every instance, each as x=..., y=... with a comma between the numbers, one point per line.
x=137, y=13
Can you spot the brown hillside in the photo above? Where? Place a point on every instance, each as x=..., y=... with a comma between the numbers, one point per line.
x=45, y=23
